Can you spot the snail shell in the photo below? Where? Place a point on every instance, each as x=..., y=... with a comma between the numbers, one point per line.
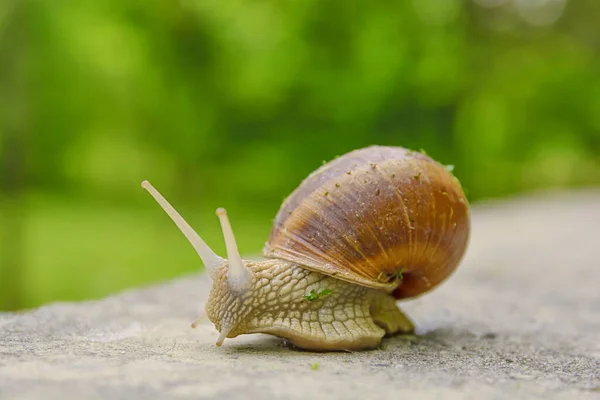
x=381, y=217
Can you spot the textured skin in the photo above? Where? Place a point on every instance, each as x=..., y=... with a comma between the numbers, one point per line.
x=352, y=317
x=373, y=213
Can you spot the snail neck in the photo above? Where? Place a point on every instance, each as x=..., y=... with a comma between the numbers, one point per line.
x=311, y=310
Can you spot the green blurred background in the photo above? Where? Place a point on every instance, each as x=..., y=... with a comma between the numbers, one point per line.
x=232, y=103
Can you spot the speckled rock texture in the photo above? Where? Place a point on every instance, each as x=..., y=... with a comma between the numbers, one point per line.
x=519, y=319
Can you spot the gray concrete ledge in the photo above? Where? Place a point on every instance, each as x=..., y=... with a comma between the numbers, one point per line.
x=520, y=319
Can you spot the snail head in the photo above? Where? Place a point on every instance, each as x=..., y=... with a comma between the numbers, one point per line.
x=232, y=279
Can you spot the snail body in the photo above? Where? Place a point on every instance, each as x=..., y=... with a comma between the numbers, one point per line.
x=368, y=228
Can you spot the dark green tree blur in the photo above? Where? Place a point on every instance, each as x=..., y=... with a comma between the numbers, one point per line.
x=232, y=103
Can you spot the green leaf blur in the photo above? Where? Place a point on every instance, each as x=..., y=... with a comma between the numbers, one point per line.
x=232, y=103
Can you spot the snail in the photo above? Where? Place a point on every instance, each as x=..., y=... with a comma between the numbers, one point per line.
x=369, y=228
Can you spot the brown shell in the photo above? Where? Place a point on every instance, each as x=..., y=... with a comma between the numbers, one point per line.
x=374, y=215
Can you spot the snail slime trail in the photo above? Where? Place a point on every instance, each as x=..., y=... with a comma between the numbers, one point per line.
x=363, y=231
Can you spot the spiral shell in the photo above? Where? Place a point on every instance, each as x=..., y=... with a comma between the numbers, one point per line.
x=382, y=217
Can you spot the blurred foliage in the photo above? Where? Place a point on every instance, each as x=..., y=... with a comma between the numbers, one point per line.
x=232, y=103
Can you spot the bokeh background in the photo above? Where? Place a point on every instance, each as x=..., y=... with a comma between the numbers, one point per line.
x=232, y=103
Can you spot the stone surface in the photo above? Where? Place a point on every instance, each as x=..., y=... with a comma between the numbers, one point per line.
x=519, y=319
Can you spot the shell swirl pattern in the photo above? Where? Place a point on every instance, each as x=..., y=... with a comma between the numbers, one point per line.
x=382, y=217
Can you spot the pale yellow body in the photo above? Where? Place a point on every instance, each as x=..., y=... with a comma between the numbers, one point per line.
x=350, y=317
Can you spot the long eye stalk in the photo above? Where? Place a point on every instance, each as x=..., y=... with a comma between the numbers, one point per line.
x=238, y=276
x=210, y=259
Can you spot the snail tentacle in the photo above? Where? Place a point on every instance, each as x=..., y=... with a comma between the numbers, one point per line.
x=210, y=259
x=238, y=276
